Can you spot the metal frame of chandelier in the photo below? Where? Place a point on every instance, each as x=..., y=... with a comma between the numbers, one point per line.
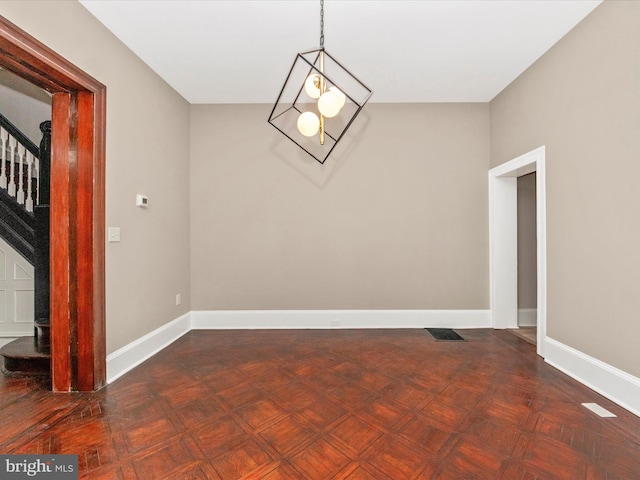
x=319, y=101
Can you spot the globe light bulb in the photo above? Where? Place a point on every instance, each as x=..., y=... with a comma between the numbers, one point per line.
x=308, y=124
x=341, y=96
x=329, y=104
x=312, y=85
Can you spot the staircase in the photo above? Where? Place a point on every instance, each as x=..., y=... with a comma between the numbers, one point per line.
x=24, y=224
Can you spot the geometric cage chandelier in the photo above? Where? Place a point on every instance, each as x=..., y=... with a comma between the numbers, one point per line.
x=319, y=101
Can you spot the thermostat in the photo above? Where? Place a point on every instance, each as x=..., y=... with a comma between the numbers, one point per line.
x=142, y=201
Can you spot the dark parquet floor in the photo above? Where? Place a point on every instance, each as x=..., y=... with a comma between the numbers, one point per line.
x=332, y=404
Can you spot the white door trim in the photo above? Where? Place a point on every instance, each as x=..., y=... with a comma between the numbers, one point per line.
x=503, y=241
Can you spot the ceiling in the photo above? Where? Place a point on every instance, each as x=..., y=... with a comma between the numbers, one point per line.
x=240, y=51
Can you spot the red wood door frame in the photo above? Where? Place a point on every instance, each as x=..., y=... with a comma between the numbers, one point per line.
x=78, y=338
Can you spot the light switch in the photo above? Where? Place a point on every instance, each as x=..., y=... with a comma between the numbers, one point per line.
x=113, y=234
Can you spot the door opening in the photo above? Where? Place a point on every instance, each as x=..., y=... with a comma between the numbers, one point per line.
x=503, y=233
x=77, y=232
x=527, y=288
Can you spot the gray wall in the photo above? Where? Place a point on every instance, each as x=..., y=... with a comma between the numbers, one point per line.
x=582, y=100
x=24, y=104
x=400, y=222
x=147, y=152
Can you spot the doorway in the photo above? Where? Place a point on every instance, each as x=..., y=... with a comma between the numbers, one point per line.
x=77, y=232
x=25, y=107
x=503, y=242
x=527, y=266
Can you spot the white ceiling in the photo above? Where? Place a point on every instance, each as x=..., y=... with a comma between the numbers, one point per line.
x=240, y=51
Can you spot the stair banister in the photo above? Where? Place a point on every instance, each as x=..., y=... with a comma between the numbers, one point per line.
x=13, y=131
x=25, y=196
x=19, y=158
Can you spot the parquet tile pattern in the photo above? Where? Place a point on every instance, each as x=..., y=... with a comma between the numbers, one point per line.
x=331, y=404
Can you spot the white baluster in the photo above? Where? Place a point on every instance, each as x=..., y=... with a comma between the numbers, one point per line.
x=22, y=154
x=4, y=140
x=36, y=175
x=12, y=171
x=29, y=198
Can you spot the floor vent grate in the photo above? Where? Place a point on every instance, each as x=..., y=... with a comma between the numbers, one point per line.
x=444, y=335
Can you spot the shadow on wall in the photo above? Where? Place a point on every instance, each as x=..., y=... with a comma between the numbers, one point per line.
x=320, y=174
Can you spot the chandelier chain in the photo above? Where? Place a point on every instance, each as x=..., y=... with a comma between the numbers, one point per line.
x=321, y=23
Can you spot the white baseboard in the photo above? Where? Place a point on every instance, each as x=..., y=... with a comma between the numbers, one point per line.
x=128, y=357
x=321, y=319
x=617, y=385
x=133, y=354
x=527, y=317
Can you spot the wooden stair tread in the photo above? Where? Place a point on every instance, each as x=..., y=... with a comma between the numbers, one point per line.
x=22, y=358
x=23, y=347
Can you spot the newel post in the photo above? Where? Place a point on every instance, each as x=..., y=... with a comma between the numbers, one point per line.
x=41, y=248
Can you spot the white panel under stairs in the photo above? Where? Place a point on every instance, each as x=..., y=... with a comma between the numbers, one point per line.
x=16, y=293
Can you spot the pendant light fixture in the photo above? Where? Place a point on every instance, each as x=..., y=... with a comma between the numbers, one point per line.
x=319, y=101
